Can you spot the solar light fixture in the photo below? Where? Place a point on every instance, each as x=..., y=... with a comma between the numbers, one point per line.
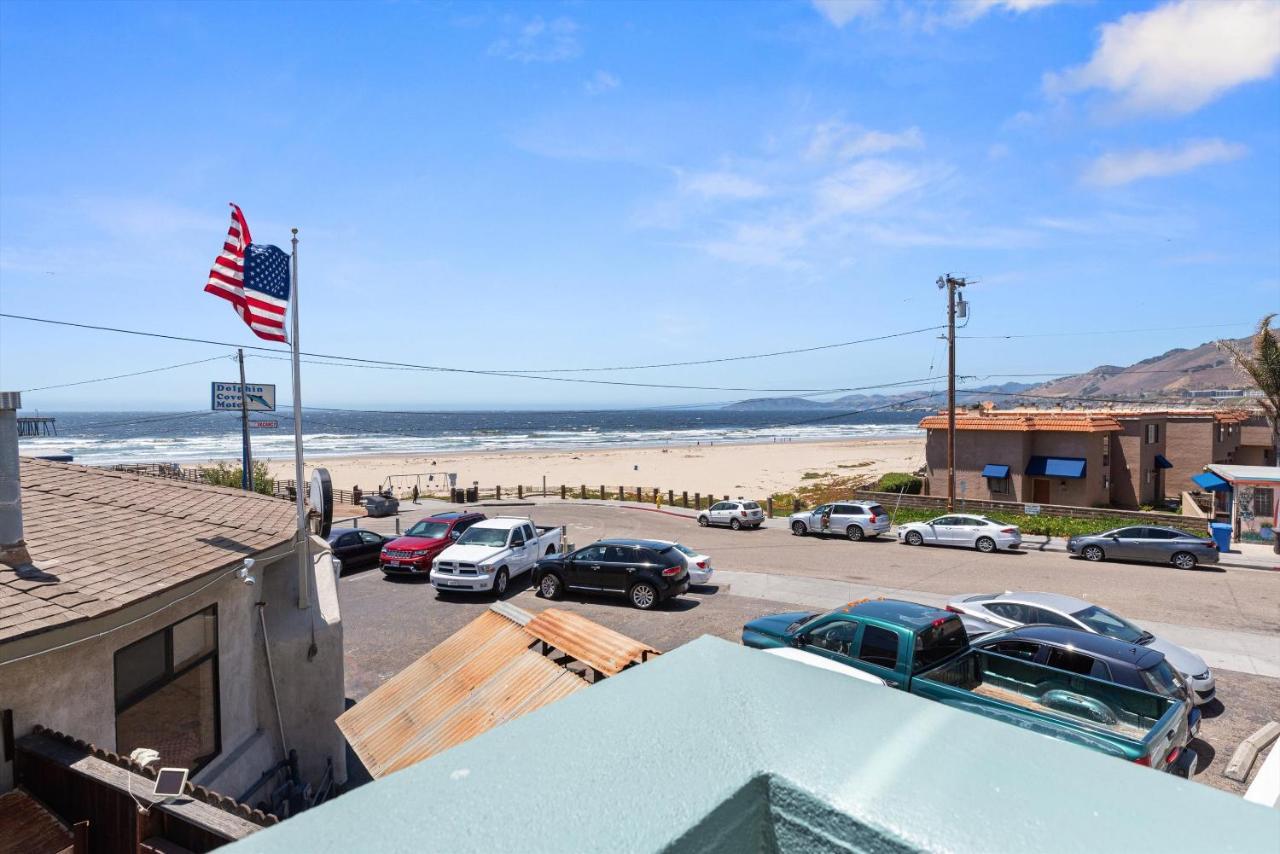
x=170, y=782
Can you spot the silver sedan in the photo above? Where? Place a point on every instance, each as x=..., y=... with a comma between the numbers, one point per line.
x=1156, y=545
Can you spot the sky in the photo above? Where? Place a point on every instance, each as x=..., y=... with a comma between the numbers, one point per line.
x=534, y=186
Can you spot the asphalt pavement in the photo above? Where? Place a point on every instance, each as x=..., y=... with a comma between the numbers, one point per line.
x=1232, y=617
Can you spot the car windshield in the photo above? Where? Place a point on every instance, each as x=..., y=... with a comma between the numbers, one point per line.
x=800, y=622
x=483, y=537
x=941, y=640
x=684, y=550
x=428, y=530
x=1163, y=680
x=1106, y=623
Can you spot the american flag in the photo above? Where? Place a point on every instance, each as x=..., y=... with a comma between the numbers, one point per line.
x=254, y=278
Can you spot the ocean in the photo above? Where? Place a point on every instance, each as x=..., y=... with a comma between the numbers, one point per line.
x=106, y=438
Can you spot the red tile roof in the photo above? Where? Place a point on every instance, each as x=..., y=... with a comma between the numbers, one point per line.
x=1010, y=421
x=101, y=540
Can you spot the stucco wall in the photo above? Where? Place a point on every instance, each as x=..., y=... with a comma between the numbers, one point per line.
x=1132, y=457
x=974, y=450
x=72, y=689
x=1191, y=444
x=1082, y=492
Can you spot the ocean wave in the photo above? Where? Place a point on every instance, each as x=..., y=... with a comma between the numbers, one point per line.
x=108, y=450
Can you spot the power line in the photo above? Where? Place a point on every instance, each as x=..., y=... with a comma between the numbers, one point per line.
x=146, y=420
x=733, y=358
x=1110, y=331
x=515, y=373
x=123, y=376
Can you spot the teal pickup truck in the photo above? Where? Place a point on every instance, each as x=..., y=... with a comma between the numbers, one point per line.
x=926, y=651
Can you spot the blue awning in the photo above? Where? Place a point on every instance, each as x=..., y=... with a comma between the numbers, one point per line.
x=1162, y=463
x=1056, y=467
x=993, y=470
x=1210, y=482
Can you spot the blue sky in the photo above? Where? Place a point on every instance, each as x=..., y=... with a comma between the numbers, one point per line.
x=546, y=185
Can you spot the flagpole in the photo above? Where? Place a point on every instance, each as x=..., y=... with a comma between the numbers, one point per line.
x=304, y=539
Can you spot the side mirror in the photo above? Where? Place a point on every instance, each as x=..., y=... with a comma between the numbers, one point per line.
x=1115, y=537
x=453, y=535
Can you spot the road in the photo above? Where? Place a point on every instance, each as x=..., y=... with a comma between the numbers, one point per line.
x=1232, y=615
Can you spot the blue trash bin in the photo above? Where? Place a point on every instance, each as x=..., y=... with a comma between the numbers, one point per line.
x=1221, y=532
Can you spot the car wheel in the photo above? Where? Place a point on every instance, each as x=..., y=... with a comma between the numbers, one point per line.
x=704, y=521
x=914, y=538
x=644, y=596
x=1184, y=560
x=1093, y=553
x=550, y=586
x=986, y=545
x=500, y=582
x=735, y=524
x=799, y=529
x=855, y=533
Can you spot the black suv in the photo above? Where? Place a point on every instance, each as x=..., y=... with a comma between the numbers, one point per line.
x=645, y=571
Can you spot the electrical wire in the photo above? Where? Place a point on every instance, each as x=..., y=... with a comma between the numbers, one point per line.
x=516, y=372
x=124, y=376
x=1107, y=331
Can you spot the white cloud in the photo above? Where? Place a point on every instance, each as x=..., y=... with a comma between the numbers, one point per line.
x=867, y=185
x=843, y=141
x=1118, y=168
x=841, y=12
x=1180, y=56
x=722, y=185
x=601, y=82
x=537, y=40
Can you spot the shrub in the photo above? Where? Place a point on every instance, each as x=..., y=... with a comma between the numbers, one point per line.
x=897, y=481
x=225, y=474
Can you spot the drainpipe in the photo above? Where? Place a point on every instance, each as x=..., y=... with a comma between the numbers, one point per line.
x=13, y=549
x=271, y=673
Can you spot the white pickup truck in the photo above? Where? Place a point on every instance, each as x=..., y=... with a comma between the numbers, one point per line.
x=492, y=552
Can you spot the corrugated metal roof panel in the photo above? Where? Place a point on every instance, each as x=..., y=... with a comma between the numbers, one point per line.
x=524, y=683
x=480, y=677
x=591, y=643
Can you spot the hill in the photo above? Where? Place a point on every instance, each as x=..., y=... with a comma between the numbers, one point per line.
x=1172, y=373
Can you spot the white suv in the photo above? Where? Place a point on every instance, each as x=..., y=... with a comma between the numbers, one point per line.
x=856, y=520
x=734, y=514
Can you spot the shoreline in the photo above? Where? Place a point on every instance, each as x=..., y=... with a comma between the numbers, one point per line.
x=761, y=468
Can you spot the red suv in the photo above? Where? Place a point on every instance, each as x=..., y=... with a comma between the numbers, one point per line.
x=412, y=553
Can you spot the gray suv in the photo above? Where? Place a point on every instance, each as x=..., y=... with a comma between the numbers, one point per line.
x=856, y=520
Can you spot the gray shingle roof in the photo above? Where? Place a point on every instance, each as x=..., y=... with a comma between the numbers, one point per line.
x=101, y=540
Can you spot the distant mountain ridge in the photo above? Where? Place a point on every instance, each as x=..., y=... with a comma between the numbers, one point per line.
x=1171, y=374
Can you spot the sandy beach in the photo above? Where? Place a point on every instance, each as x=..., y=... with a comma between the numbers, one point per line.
x=734, y=469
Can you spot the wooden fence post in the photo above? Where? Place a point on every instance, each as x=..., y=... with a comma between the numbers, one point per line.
x=639, y=499
x=497, y=492
x=697, y=501
x=684, y=499
x=622, y=493
x=562, y=492
x=671, y=496
x=519, y=490
x=583, y=494
x=769, y=503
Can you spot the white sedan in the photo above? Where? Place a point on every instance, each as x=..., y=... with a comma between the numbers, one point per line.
x=699, y=565
x=975, y=532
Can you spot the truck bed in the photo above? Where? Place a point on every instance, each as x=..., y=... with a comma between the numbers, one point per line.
x=1126, y=716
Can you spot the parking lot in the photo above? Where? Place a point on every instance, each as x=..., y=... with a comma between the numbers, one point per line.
x=1230, y=616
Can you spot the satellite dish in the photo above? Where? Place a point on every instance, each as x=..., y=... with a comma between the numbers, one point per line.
x=320, y=495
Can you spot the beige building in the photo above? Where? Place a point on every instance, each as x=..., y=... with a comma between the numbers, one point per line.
x=133, y=620
x=1084, y=458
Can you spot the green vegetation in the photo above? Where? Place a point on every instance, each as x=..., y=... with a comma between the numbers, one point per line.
x=897, y=481
x=225, y=474
x=1045, y=526
x=816, y=475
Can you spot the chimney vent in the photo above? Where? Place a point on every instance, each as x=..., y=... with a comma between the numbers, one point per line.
x=13, y=550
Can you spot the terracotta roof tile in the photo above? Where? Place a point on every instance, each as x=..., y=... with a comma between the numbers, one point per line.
x=1011, y=421
x=101, y=540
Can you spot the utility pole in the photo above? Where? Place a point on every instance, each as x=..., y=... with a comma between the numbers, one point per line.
x=246, y=453
x=952, y=284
